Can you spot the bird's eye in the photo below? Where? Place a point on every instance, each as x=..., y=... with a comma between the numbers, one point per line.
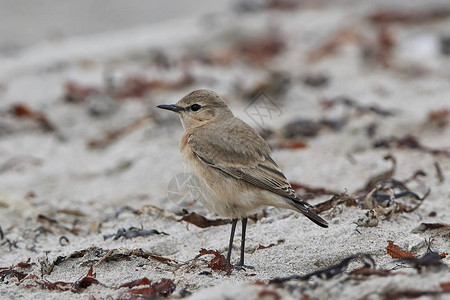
x=195, y=107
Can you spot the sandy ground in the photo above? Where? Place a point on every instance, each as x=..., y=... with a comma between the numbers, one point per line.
x=73, y=171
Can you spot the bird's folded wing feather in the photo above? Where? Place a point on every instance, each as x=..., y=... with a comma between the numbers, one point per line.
x=241, y=153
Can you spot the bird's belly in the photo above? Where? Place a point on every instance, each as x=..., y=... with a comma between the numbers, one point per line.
x=222, y=194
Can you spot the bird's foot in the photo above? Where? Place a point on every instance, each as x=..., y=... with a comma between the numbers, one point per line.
x=242, y=267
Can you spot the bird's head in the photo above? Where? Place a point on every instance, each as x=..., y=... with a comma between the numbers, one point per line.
x=199, y=108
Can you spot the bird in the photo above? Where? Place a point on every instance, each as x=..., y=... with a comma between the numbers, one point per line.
x=230, y=164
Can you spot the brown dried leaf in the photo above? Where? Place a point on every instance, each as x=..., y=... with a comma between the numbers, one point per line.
x=86, y=281
x=23, y=111
x=137, y=282
x=138, y=87
x=445, y=286
x=201, y=221
x=25, y=265
x=409, y=17
x=265, y=247
x=163, y=288
x=219, y=262
x=440, y=118
x=396, y=252
x=13, y=273
x=269, y=294
x=259, y=51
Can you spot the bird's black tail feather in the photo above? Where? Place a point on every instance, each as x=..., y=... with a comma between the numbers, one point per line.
x=305, y=209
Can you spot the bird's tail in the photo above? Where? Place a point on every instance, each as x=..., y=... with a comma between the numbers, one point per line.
x=305, y=208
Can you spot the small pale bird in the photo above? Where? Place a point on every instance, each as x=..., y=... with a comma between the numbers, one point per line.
x=231, y=164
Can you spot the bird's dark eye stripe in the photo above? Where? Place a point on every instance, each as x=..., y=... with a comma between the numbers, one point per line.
x=195, y=107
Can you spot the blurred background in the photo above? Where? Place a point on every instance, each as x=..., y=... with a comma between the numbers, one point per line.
x=345, y=92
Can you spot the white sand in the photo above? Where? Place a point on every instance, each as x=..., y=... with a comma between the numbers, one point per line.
x=73, y=183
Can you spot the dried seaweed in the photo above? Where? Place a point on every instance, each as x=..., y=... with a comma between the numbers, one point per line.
x=316, y=80
x=431, y=226
x=384, y=198
x=257, y=51
x=438, y=118
x=336, y=200
x=138, y=87
x=428, y=260
x=269, y=294
x=20, y=110
x=439, y=173
x=218, y=262
x=410, y=142
x=201, y=221
x=331, y=271
x=410, y=294
x=11, y=273
x=383, y=176
x=26, y=264
x=132, y=232
x=360, y=108
x=445, y=286
x=365, y=272
x=137, y=282
x=396, y=252
x=163, y=288
x=85, y=281
x=270, y=245
x=409, y=17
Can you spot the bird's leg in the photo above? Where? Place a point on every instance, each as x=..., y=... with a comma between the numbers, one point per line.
x=233, y=228
x=241, y=265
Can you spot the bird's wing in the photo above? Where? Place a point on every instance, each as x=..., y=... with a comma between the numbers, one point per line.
x=240, y=152
x=243, y=154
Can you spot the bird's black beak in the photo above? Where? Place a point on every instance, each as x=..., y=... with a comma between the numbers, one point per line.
x=171, y=107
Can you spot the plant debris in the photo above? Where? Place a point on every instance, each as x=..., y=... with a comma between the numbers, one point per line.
x=439, y=174
x=260, y=247
x=359, y=108
x=138, y=87
x=201, y=221
x=218, y=262
x=428, y=260
x=409, y=17
x=163, y=288
x=23, y=111
x=132, y=232
x=410, y=142
x=384, y=200
x=384, y=176
x=396, y=252
x=11, y=273
x=431, y=226
x=336, y=200
x=332, y=271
